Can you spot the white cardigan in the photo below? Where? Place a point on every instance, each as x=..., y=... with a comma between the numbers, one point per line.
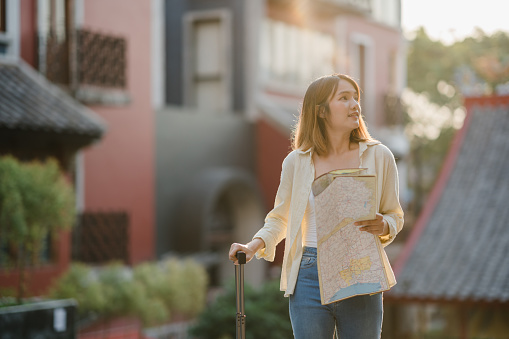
x=298, y=173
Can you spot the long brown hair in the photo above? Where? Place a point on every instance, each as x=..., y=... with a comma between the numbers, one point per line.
x=310, y=131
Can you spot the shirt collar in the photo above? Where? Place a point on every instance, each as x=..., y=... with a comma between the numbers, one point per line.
x=363, y=145
x=304, y=151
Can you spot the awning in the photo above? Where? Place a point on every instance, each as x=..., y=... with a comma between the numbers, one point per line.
x=29, y=102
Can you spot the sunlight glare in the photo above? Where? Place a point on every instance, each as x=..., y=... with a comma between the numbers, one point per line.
x=453, y=20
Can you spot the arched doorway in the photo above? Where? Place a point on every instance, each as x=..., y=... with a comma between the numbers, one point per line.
x=223, y=205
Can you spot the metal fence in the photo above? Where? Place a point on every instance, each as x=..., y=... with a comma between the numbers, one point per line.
x=84, y=58
x=101, y=60
x=100, y=237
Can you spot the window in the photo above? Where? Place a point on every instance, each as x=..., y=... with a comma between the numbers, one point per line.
x=291, y=54
x=53, y=23
x=10, y=253
x=9, y=27
x=393, y=71
x=53, y=18
x=207, y=37
x=3, y=17
x=362, y=65
x=387, y=11
x=362, y=69
x=207, y=78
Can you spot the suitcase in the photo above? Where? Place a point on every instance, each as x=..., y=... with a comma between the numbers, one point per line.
x=240, y=332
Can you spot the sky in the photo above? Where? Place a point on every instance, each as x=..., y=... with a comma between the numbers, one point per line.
x=451, y=20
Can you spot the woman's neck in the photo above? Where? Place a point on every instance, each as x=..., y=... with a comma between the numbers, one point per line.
x=339, y=143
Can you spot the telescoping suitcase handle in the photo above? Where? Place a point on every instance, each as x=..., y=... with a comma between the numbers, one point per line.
x=240, y=332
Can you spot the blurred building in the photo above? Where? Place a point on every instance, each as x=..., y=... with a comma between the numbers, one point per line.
x=67, y=58
x=234, y=75
x=198, y=99
x=453, y=273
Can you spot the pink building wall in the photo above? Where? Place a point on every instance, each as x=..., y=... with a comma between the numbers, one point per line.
x=119, y=170
x=387, y=41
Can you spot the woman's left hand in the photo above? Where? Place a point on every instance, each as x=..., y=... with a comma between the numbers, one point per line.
x=377, y=226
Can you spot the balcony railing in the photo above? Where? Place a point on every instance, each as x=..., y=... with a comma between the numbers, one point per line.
x=101, y=60
x=100, y=237
x=84, y=59
x=332, y=7
x=394, y=110
x=54, y=59
x=361, y=6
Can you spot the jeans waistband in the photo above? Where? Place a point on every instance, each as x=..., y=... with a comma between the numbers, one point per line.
x=309, y=250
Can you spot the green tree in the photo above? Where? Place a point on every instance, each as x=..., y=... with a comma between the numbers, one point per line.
x=433, y=70
x=430, y=62
x=35, y=201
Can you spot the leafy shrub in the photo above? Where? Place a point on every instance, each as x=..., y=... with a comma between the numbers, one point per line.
x=156, y=284
x=186, y=283
x=266, y=314
x=123, y=295
x=151, y=291
x=79, y=283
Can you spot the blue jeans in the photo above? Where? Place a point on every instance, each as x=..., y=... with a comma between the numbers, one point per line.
x=359, y=317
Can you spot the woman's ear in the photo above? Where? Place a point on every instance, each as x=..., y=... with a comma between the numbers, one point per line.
x=321, y=111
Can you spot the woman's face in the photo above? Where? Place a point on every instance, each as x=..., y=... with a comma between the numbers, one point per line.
x=344, y=108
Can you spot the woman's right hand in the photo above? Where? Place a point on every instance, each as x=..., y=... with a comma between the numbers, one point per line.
x=250, y=249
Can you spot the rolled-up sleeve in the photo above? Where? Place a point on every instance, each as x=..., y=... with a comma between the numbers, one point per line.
x=274, y=229
x=390, y=207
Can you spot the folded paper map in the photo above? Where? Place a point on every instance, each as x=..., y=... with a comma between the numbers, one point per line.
x=349, y=261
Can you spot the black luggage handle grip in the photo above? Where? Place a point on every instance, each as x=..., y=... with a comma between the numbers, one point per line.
x=241, y=257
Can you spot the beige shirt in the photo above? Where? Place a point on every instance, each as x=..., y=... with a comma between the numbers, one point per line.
x=285, y=219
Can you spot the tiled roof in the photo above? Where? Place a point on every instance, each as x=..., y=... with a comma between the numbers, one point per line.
x=461, y=252
x=30, y=102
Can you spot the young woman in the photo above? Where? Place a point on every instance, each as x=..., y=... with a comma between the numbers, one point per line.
x=330, y=134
